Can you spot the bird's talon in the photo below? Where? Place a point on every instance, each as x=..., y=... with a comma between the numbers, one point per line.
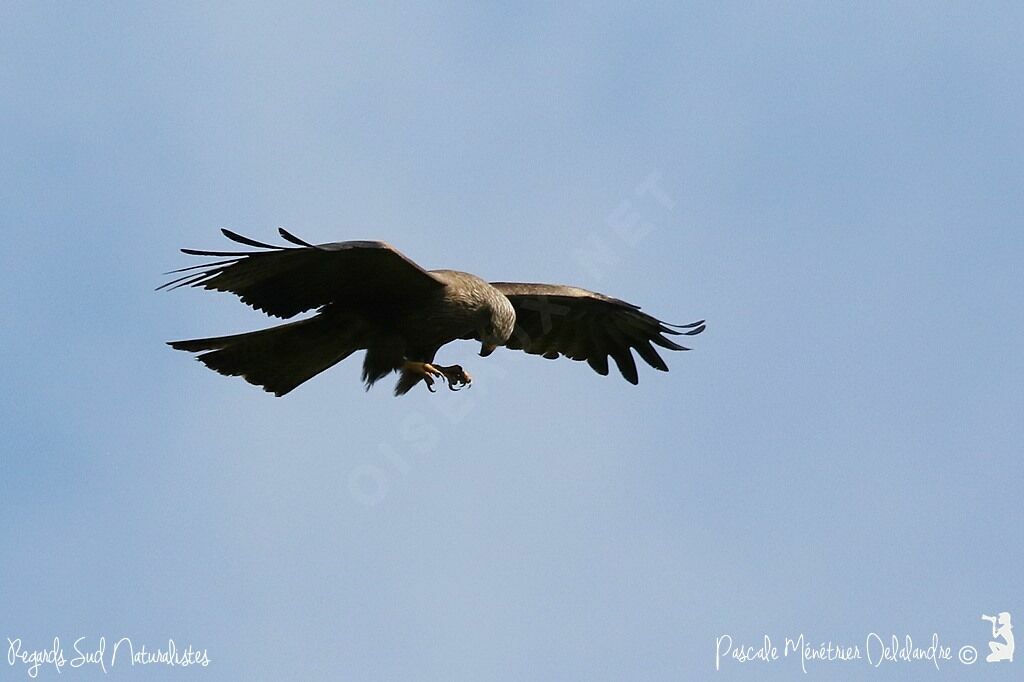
x=457, y=377
x=432, y=371
x=453, y=376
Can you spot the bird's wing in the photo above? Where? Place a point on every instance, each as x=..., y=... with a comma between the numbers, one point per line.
x=284, y=281
x=554, y=320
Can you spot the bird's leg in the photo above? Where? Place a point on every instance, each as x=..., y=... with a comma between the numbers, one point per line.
x=425, y=370
x=456, y=376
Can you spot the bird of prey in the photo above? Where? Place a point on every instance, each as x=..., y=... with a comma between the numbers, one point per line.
x=368, y=296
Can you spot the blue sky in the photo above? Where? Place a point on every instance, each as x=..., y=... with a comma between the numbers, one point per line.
x=839, y=455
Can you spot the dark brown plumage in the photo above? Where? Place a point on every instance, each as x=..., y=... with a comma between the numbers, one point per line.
x=562, y=321
x=368, y=296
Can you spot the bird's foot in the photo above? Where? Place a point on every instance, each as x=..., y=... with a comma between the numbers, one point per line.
x=425, y=370
x=457, y=377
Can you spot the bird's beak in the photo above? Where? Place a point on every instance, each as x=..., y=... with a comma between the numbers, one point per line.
x=486, y=349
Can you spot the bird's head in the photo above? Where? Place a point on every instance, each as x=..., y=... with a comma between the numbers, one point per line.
x=498, y=327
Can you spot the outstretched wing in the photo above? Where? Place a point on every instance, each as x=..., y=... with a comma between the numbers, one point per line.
x=555, y=321
x=284, y=281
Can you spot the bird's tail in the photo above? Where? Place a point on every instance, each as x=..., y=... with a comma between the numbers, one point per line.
x=406, y=381
x=279, y=358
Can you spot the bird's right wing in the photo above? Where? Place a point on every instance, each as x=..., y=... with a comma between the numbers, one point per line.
x=554, y=320
x=284, y=281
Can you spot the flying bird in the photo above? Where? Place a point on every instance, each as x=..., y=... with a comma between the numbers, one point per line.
x=368, y=296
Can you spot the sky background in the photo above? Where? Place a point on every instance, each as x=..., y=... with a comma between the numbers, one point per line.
x=840, y=196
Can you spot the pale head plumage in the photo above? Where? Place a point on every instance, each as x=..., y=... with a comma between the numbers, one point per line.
x=499, y=328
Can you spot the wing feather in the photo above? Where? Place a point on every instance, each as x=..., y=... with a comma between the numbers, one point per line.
x=553, y=320
x=284, y=281
x=646, y=351
x=599, y=363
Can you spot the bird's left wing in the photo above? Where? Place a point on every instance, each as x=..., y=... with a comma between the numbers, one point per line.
x=284, y=281
x=553, y=321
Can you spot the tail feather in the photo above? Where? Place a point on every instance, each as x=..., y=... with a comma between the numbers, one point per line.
x=279, y=358
x=406, y=381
